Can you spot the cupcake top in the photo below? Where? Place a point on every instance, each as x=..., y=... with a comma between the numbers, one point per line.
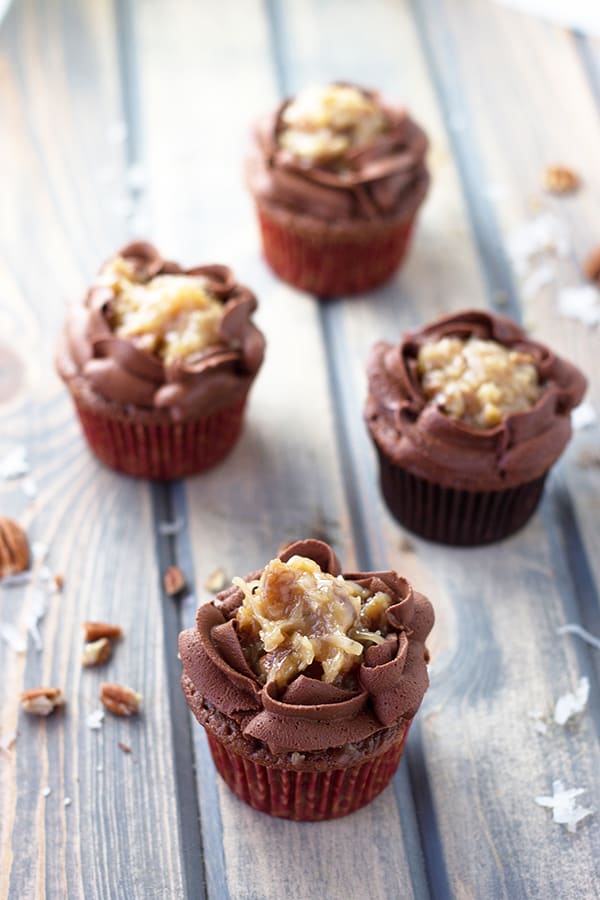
x=157, y=336
x=305, y=658
x=337, y=151
x=471, y=402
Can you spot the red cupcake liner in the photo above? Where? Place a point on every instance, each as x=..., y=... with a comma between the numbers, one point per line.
x=333, y=265
x=160, y=450
x=303, y=795
x=453, y=516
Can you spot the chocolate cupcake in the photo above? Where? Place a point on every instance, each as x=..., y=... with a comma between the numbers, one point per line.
x=159, y=361
x=307, y=681
x=468, y=415
x=337, y=175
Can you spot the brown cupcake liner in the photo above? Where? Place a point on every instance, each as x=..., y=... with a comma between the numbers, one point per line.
x=305, y=795
x=455, y=516
x=329, y=262
x=145, y=447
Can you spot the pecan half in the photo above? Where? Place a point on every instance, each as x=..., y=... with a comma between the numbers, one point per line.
x=96, y=652
x=14, y=548
x=173, y=580
x=560, y=180
x=96, y=630
x=41, y=701
x=119, y=699
x=591, y=266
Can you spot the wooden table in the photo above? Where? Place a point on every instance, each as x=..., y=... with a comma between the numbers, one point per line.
x=121, y=119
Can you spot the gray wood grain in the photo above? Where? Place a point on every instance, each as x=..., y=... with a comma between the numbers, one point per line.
x=132, y=118
x=62, y=191
x=497, y=657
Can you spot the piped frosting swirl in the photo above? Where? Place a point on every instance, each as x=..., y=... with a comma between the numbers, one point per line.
x=383, y=178
x=120, y=370
x=309, y=714
x=415, y=434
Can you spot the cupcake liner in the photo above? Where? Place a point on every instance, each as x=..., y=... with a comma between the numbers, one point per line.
x=454, y=516
x=306, y=795
x=329, y=261
x=142, y=446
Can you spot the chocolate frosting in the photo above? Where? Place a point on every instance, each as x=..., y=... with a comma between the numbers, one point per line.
x=309, y=714
x=416, y=435
x=119, y=371
x=383, y=179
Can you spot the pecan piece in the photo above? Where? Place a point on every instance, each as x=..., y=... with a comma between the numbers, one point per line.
x=591, y=266
x=14, y=548
x=173, y=580
x=560, y=180
x=119, y=699
x=41, y=701
x=95, y=653
x=96, y=630
x=216, y=581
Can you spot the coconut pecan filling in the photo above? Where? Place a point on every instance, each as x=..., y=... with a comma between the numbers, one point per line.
x=297, y=618
x=478, y=381
x=324, y=121
x=171, y=316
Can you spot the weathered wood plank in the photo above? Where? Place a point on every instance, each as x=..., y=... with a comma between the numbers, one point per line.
x=496, y=655
x=63, y=196
x=283, y=480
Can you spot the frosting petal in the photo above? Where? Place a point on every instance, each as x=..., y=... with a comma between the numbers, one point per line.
x=310, y=714
x=416, y=435
x=121, y=372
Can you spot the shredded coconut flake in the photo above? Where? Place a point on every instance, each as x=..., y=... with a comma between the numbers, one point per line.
x=538, y=278
x=39, y=551
x=67, y=801
x=169, y=528
x=29, y=488
x=538, y=721
x=535, y=241
x=46, y=792
x=36, y=614
x=583, y=416
x=569, y=705
x=95, y=719
x=562, y=804
x=581, y=302
x=12, y=637
x=573, y=628
x=14, y=464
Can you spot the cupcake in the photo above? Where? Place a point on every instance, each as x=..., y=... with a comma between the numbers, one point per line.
x=159, y=361
x=468, y=415
x=307, y=681
x=337, y=175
